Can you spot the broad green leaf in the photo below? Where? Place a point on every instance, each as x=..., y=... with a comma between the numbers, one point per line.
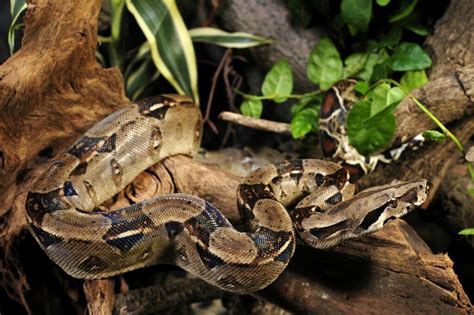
x=406, y=9
x=361, y=87
x=412, y=80
x=252, y=108
x=324, y=64
x=409, y=56
x=368, y=69
x=469, y=231
x=171, y=47
x=357, y=13
x=395, y=95
x=392, y=38
x=231, y=40
x=374, y=120
x=368, y=140
x=387, y=104
x=416, y=28
x=278, y=81
x=383, y=3
x=434, y=135
x=470, y=191
x=16, y=8
x=379, y=98
x=304, y=122
x=313, y=101
x=354, y=63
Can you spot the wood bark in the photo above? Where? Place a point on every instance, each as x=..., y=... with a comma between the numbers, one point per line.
x=52, y=90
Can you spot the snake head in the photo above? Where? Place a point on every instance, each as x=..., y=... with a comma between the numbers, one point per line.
x=390, y=202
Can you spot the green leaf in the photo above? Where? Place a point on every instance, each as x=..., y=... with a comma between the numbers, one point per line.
x=412, y=80
x=357, y=13
x=137, y=80
x=405, y=10
x=416, y=28
x=373, y=60
x=379, y=98
x=409, y=56
x=252, y=108
x=395, y=95
x=354, y=63
x=470, y=191
x=116, y=12
x=469, y=231
x=380, y=116
x=16, y=8
x=324, y=64
x=313, y=101
x=434, y=135
x=278, y=82
x=383, y=3
x=385, y=107
x=361, y=87
x=368, y=140
x=171, y=47
x=230, y=40
x=304, y=122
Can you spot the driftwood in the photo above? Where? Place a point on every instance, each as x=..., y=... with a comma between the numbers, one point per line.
x=449, y=95
x=47, y=99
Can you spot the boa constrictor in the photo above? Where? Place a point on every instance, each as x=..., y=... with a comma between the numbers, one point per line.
x=87, y=242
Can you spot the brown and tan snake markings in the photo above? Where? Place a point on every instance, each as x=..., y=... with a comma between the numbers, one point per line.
x=309, y=199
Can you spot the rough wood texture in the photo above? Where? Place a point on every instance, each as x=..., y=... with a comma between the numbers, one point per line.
x=99, y=295
x=51, y=91
x=159, y=298
x=390, y=270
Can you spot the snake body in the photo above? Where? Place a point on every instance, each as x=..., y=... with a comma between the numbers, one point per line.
x=88, y=242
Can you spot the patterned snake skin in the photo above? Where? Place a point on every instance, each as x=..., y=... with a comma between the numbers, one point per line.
x=87, y=242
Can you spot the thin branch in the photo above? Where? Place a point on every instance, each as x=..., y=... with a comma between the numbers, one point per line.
x=206, y=119
x=255, y=123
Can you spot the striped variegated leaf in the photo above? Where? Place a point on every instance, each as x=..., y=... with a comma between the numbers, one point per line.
x=171, y=47
x=16, y=8
x=140, y=73
x=230, y=40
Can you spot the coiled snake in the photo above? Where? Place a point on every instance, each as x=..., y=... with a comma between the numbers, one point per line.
x=86, y=242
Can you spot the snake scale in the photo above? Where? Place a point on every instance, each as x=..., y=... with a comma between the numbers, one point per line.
x=88, y=242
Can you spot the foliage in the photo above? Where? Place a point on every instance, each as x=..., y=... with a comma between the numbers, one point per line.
x=17, y=7
x=168, y=50
x=371, y=123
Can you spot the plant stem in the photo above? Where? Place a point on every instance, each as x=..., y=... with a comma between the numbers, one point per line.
x=429, y=114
